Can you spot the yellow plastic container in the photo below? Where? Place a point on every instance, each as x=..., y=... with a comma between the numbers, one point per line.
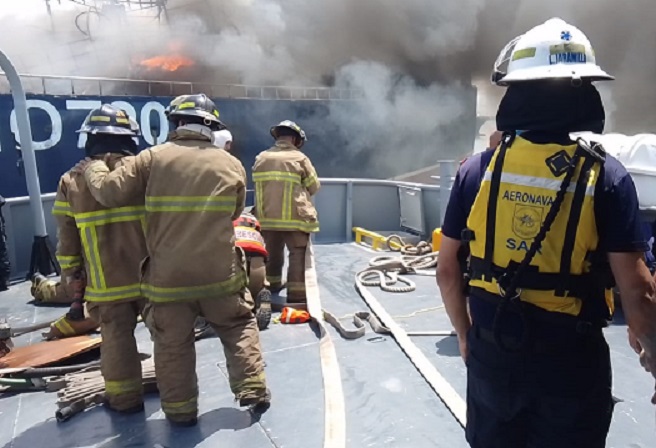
x=437, y=239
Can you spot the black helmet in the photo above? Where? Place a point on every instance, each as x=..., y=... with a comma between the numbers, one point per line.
x=109, y=120
x=290, y=125
x=197, y=105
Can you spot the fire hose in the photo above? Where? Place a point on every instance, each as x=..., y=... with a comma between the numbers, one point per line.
x=414, y=260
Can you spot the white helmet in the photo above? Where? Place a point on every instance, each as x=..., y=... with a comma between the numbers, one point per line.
x=553, y=50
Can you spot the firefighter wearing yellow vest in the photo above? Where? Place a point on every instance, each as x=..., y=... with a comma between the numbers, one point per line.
x=99, y=249
x=549, y=221
x=192, y=193
x=285, y=182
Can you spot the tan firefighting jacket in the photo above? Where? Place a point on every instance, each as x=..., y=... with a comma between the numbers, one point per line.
x=108, y=242
x=284, y=181
x=193, y=193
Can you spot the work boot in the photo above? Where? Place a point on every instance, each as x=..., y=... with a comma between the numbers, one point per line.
x=263, y=309
x=4, y=285
x=202, y=329
x=131, y=410
x=275, y=288
x=182, y=423
x=257, y=405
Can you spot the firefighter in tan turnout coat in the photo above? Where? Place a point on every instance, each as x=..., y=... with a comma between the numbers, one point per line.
x=284, y=181
x=99, y=249
x=192, y=194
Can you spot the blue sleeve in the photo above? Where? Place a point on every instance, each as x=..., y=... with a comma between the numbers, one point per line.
x=463, y=193
x=618, y=215
x=455, y=219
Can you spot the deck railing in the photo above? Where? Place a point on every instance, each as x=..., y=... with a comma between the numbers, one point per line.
x=86, y=85
x=374, y=204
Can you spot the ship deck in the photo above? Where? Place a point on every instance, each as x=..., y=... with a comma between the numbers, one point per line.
x=386, y=400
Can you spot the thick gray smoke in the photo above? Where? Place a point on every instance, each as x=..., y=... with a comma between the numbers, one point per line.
x=412, y=59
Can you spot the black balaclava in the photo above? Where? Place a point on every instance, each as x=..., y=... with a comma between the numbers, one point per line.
x=552, y=106
x=98, y=144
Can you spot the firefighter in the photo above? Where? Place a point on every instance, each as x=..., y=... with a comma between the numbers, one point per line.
x=249, y=238
x=193, y=193
x=78, y=320
x=45, y=290
x=5, y=267
x=285, y=181
x=541, y=262
x=99, y=249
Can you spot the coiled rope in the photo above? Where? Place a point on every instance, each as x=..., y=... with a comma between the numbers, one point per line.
x=386, y=271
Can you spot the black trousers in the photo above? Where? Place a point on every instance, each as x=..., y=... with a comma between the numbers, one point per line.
x=5, y=267
x=557, y=395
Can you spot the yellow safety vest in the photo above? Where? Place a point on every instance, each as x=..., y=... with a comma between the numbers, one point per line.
x=517, y=191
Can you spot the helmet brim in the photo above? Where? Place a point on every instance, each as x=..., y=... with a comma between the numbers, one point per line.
x=110, y=130
x=194, y=113
x=274, y=133
x=557, y=71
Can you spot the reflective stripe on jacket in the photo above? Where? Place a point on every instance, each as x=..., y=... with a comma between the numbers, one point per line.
x=192, y=194
x=108, y=242
x=284, y=181
x=559, y=276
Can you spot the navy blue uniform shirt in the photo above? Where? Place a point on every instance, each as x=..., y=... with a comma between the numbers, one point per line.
x=615, y=206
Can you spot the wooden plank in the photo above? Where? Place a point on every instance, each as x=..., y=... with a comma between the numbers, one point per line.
x=49, y=352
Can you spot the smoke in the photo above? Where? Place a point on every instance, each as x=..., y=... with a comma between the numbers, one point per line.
x=413, y=61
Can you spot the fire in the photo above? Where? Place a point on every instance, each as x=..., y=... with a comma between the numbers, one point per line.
x=169, y=63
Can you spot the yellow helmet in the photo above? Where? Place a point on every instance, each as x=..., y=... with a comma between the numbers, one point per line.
x=288, y=124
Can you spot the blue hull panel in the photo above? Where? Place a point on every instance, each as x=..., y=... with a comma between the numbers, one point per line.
x=55, y=119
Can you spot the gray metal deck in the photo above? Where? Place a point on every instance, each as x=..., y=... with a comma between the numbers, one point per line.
x=387, y=402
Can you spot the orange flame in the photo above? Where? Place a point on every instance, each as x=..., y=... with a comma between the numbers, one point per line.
x=169, y=63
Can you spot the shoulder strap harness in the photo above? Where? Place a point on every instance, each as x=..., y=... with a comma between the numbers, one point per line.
x=518, y=275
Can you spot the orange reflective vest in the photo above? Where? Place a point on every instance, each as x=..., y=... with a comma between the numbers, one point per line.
x=294, y=316
x=247, y=233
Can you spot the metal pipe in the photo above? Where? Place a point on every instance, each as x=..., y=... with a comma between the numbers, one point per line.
x=25, y=138
x=349, y=211
x=431, y=333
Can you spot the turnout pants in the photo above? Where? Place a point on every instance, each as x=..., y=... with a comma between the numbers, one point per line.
x=119, y=357
x=555, y=396
x=257, y=278
x=296, y=243
x=172, y=326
